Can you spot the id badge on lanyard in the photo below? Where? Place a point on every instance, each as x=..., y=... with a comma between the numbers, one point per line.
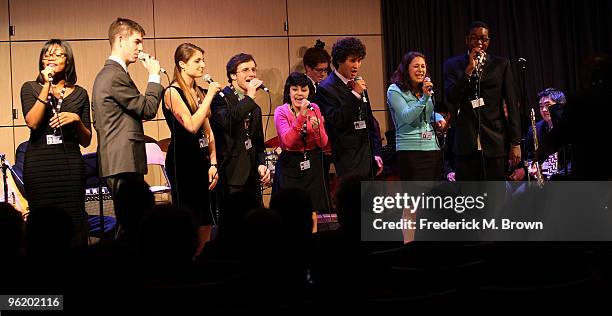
x=54, y=139
x=360, y=124
x=304, y=165
x=203, y=142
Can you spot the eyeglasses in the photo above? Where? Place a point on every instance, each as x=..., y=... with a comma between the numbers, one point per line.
x=53, y=56
x=484, y=39
x=319, y=70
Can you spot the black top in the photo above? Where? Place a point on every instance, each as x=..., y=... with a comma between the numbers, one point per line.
x=75, y=102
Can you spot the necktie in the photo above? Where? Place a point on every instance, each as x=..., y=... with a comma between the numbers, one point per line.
x=351, y=84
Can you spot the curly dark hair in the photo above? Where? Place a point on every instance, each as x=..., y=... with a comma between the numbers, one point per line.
x=345, y=48
x=400, y=77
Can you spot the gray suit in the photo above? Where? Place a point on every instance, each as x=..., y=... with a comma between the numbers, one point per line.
x=118, y=111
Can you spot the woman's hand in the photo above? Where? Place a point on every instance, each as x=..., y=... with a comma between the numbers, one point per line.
x=213, y=88
x=49, y=70
x=63, y=118
x=213, y=177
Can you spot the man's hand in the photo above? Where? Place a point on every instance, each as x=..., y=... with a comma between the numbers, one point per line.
x=515, y=155
x=264, y=174
x=518, y=174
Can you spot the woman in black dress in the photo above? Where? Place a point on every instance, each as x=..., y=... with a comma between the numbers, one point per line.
x=57, y=112
x=191, y=161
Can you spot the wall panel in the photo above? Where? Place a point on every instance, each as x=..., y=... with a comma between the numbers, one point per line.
x=324, y=17
x=67, y=19
x=207, y=18
x=7, y=146
x=5, y=86
x=4, y=20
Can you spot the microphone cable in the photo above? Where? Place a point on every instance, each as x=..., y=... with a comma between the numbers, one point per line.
x=325, y=187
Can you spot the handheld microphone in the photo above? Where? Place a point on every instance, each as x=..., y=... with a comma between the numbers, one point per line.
x=430, y=88
x=364, y=94
x=261, y=86
x=143, y=56
x=308, y=105
x=50, y=75
x=209, y=79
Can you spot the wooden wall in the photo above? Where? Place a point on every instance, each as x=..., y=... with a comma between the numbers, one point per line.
x=222, y=28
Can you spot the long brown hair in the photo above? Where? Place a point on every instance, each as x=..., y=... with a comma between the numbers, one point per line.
x=400, y=77
x=183, y=53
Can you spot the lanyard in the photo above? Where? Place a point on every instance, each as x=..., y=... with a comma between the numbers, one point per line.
x=57, y=108
x=247, y=120
x=304, y=132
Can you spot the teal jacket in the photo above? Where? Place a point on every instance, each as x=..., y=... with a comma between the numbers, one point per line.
x=410, y=123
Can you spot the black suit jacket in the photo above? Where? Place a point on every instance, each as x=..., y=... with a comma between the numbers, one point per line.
x=227, y=122
x=497, y=86
x=353, y=150
x=118, y=110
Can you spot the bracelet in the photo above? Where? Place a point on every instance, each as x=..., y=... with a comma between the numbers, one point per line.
x=42, y=101
x=214, y=165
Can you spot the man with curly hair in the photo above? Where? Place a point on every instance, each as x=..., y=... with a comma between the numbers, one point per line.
x=349, y=122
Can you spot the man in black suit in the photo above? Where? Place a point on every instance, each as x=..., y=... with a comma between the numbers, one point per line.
x=119, y=108
x=236, y=123
x=348, y=117
x=476, y=86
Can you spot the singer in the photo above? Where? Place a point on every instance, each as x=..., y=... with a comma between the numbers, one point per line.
x=302, y=136
x=348, y=117
x=236, y=123
x=57, y=112
x=411, y=105
x=191, y=161
x=119, y=108
x=316, y=66
x=475, y=86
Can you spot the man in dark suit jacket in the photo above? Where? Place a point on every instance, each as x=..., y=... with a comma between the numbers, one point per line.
x=119, y=108
x=236, y=123
x=348, y=117
x=476, y=86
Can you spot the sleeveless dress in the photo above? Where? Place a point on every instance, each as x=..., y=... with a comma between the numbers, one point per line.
x=187, y=167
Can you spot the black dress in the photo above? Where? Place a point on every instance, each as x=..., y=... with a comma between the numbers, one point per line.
x=187, y=166
x=55, y=174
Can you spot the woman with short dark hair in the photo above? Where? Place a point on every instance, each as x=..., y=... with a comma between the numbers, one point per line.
x=302, y=139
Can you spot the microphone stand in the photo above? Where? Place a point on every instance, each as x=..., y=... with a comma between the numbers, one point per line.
x=4, y=177
x=524, y=114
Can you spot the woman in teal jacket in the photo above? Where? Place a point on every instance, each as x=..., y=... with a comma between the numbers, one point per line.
x=410, y=101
